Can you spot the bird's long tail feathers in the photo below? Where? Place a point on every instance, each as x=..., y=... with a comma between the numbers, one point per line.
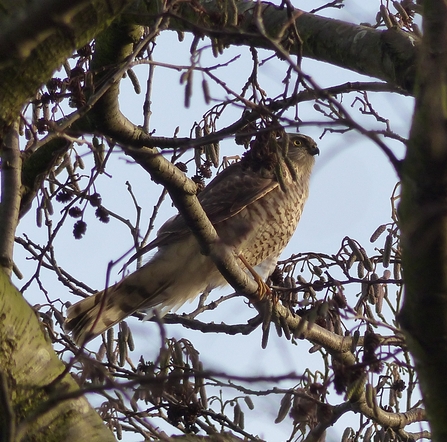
x=94, y=315
x=174, y=276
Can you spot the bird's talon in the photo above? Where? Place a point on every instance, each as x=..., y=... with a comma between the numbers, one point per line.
x=263, y=288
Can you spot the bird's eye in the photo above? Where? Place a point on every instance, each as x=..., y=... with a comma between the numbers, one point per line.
x=297, y=143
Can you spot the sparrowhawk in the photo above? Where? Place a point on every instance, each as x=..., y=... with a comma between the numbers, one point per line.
x=254, y=205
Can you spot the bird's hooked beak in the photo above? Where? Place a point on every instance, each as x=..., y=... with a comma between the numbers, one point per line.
x=313, y=149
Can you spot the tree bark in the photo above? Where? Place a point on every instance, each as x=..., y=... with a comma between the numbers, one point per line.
x=42, y=49
x=389, y=55
x=39, y=401
x=423, y=215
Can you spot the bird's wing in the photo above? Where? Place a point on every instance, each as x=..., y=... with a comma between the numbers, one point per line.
x=230, y=192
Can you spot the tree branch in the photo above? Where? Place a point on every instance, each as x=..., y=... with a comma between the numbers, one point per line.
x=11, y=192
x=389, y=55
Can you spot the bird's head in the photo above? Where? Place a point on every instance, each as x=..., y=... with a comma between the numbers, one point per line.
x=301, y=148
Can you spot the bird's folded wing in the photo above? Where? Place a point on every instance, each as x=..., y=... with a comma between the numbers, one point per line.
x=230, y=192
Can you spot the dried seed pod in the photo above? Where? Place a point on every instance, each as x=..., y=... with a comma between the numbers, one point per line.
x=212, y=153
x=39, y=216
x=184, y=77
x=377, y=233
x=249, y=402
x=186, y=383
x=351, y=260
x=285, y=327
x=403, y=14
x=361, y=270
x=347, y=434
x=366, y=261
x=206, y=91
x=99, y=153
x=102, y=214
x=265, y=337
x=101, y=352
x=340, y=299
x=80, y=162
x=317, y=270
x=58, y=316
x=95, y=199
x=75, y=212
x=48, y=205
x=177, y=356
x=109, y=341
x=386, y=16
x=203, y=397
x=119, y=430
x=314, y=348
x=79, y=229
x=396, y=270
x=379, y=436
x=135, y=82
x=130, y=341
x=352, y=244
x=188, y=89
x=380, y=297
x=237, y=413
x=133, y=401
x=375, y=277
x=355, y=340
x=125, y=330
x=368, y=434
x=365, y=289
x=284, y=407
x=387, y=249
x=122, y=349
x=242, y=420
x=371, y=295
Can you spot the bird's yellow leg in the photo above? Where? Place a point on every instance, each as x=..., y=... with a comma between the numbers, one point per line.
x=263, y=288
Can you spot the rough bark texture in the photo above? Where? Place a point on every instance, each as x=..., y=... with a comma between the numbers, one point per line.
x=424, y=221
x=30, y=62
x=31, y=391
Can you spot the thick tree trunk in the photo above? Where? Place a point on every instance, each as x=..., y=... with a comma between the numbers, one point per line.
x=423, y=213
x=37, y=401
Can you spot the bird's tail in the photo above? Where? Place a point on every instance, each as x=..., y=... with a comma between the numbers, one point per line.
x=94, y=315
x=175, y=274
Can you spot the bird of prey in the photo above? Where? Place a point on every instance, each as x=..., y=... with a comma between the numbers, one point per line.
x=254, y=205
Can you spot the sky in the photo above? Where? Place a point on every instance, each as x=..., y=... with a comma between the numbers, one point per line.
x=350, y=195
